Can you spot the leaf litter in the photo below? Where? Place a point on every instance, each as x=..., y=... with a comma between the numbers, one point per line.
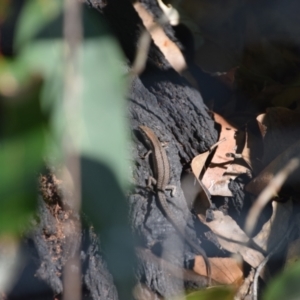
x=261, y=70
x=243, y=151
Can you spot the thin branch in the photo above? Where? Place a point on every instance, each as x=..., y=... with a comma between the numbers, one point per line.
x=71, y=102
x=139, y=63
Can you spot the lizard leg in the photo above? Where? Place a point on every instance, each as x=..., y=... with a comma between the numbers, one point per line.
x=151, y=181
x=172, y=188
x=146, y=156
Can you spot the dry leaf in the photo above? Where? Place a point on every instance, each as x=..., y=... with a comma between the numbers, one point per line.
x=275, y=229
x=246, y=153
x=213, y=178
x=224, y=166
x=198, y=163
x=197, y=166
x=232, y=238
x=244, y=289
x=223, y=270
x=167, y=47
x=171, y=13
x=261, y=126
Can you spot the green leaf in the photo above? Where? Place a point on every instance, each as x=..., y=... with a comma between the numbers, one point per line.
x=99, y=131
x=285, y=285
x=214, y=293
x=45, y=57
x=104, y=127
x=36, y=14
x=22, y=145
x=13, y=75
x=20, y=160
x=22, y=112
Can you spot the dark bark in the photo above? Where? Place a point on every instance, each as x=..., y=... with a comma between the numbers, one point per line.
x=164, y=101
x=52, y=243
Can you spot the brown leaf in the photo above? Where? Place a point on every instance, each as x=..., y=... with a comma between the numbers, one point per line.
x=213, y=178
x=275, y=229
x=198, y=165
x=232, y=238
x=262, y=127
x=223, y=166
x=246, y=153
x=244, y=289
x=170, y=50
x=223, y=270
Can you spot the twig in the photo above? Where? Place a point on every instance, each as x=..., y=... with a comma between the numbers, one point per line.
x=71, y=102
x=217, y=144
x=139, y=63
x=272, y=188
x=144, y=41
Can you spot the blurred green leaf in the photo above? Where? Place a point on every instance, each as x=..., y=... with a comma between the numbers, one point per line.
x=22, y=144
x=104, y=127
x=22, y=112
x=100, y=130
x=285, y=286
x=36, y=14
x=103, y=136
x=20, y=160
x=44, y=56
x=13, y=75
x=214, y=293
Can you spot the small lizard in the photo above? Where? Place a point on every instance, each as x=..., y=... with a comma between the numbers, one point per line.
x=162, y=177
